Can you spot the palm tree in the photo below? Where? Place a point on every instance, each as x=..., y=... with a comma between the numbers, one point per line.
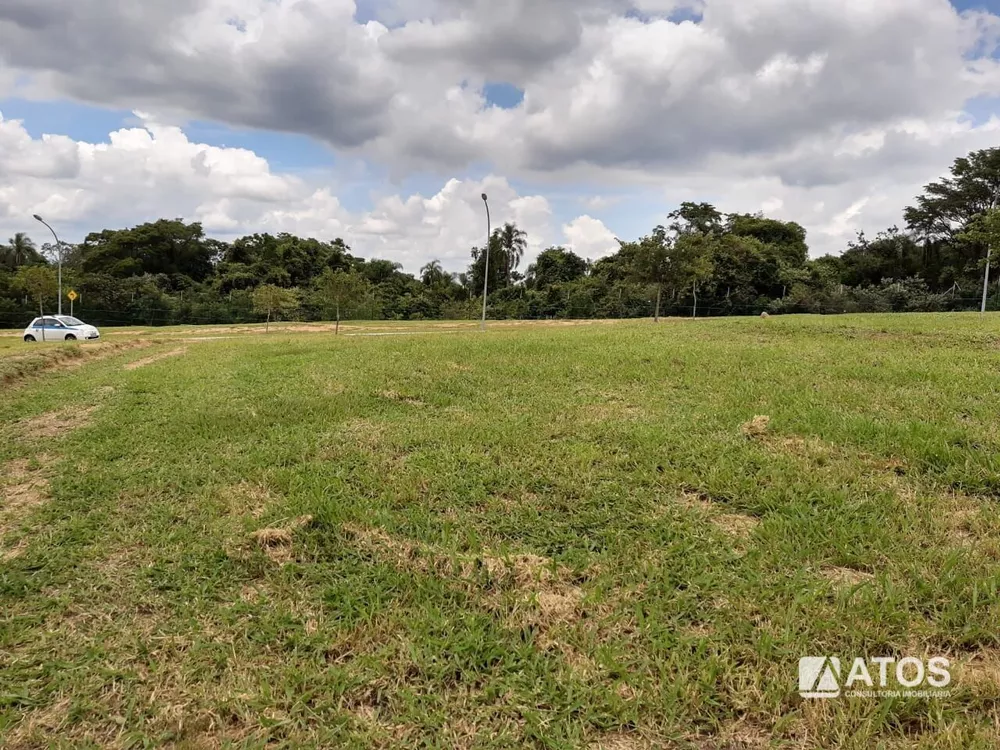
x=22, y=248
x=513, y=242
x=432, y=273
x=465, y=281
x=19, y=250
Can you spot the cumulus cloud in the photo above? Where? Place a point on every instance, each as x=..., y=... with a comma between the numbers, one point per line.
x=154, y=171
x=602, y=86
x=589, y=238
x=832, y=114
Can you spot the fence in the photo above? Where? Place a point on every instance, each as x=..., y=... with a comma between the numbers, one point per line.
x=153, y=317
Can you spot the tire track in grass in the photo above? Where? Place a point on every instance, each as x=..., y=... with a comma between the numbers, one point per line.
x=25, y=488
x=17, y=369
x=145, y=361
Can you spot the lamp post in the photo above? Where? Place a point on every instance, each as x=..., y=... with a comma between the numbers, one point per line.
x=59, y=250
x=486, y=268
x=986, y=278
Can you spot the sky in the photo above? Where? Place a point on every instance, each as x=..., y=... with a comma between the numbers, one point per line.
x=383, y=121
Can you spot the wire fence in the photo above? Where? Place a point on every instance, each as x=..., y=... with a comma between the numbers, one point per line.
x=156, y=317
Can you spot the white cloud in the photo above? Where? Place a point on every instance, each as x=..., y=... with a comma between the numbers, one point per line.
x=806, y=108
x=155, y=171
x=589, y=238
x=754, y=77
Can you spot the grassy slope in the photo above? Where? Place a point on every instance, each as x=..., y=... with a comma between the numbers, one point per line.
x=554, y=536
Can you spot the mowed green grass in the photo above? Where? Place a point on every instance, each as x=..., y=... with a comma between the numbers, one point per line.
x=550, y=536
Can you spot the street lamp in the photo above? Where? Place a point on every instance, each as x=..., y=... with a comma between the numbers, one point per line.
x=986, y=278
x=59, y=250
x=486, y=268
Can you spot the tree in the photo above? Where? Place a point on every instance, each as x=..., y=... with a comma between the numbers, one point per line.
x=271, y=299
x=513, y=243
x=167, y=247
x=433, y=275
x=984, y=229
x=38, y=281
x=18, y=251
x=700, y=218
x=947, y=207
x=649, y=261
x=786, y=237
x=690, y=262
x=343, y=288
x=555, y=265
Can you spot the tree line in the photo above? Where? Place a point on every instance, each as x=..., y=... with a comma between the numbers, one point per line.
x=699, y=262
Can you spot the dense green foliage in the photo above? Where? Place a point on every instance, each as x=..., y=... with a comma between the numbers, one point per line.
x=701, y=262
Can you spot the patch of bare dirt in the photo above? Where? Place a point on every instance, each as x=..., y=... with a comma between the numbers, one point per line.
x=53, y=424
x=277, y=541
x=756, y=427
x=155, y=358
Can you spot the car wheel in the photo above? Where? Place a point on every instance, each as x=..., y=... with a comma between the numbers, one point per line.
x=70, y=337
x=30, y=339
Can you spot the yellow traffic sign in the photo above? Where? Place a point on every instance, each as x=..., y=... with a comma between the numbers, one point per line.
x=72, y=295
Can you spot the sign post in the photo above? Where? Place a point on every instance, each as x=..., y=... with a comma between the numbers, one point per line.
x=72, y=298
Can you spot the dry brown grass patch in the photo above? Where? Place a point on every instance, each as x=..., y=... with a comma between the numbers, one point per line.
x=756, y=427
x=277, y=541
x=155, y=358
x=401, y=398
x=546, y=596
x=839, y=576
x=24, y=489
x=798, y=445
x=363, y=432
x=979, y=671
x=612, y=411
x=559, y=606
x=14, y=552
x=250, y=498
x=39, y=725
x=958, y=516
x=67, y=357
x=55, y=423
x=621, y=741
x=734, y=524
x=743, y=735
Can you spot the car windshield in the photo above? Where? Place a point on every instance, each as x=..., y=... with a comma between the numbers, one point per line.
x=67, y=320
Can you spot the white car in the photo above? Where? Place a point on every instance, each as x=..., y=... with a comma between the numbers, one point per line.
x=60, y=328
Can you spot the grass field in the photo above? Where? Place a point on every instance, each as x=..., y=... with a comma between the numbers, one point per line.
x=558, y=536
